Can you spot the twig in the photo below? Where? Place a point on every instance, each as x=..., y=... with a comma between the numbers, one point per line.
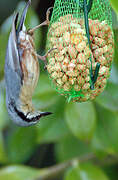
x=58, y=170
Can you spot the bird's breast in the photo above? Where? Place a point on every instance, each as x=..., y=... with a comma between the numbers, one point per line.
x=30, y=69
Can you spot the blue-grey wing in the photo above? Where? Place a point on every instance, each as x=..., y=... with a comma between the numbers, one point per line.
x=13, y=72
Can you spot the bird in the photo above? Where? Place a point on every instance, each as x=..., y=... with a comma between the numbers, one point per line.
x=22, y=71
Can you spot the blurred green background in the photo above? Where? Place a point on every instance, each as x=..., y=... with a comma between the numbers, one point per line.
x=79, y=141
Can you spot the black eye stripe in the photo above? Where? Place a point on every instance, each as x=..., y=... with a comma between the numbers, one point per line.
x=24, y=117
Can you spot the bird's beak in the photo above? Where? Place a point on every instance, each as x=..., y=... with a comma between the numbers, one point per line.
x=23, y=16
x=45, y=113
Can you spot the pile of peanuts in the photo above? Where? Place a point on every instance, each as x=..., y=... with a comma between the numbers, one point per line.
x=69, y=64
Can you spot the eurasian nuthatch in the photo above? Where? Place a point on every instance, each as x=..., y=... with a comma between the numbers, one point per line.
x=22, y=72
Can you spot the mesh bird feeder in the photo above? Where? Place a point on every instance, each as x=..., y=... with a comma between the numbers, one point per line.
x=81, y=31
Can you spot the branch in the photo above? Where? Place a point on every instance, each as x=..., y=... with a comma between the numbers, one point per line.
x=58, y=170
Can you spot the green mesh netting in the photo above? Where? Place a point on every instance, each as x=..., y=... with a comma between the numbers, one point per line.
x=81, y=31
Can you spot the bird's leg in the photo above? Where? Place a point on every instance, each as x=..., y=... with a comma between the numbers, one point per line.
x=46, y=22
x=43, y=58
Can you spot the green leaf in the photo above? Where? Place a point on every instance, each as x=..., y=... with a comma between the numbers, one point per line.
x=70, y=147
x=3, y=155
x=85, y=172
x=73, y=173
x=111, y=171
x=3, y=112
x=18, y=173
x=114, y=75
x=21, y=144
x=81, y=119
x=109, y=98
x=3, y=44
x=53, y=128
x=44, y=95
x=106, y=135
x=114, y=4
x=116, y=45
